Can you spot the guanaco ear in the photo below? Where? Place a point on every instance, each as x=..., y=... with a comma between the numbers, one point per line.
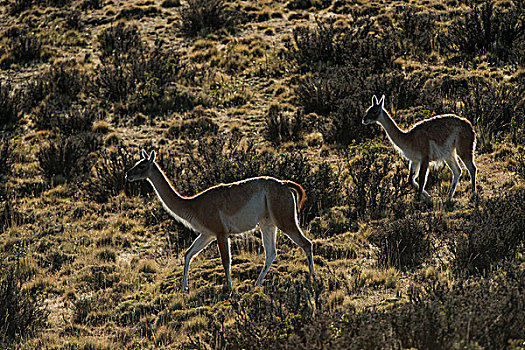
x=382, y=101
x=144, y=153
x=152, y=156
x=374, y=101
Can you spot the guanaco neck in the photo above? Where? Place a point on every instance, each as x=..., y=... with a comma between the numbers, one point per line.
x=170, y=198
x=396, y=135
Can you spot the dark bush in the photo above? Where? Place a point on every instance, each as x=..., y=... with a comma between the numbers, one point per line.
x=120, y=42
x=465, y=314
x=322, y=93
x=78, y=121
x=492, y=108
x=142, y=82
x=22, y=48
x=194, y=128
x=21, y=312
x=264, y=320
x=107, y=177
x=282, y=128
x=378, y=184
x=486, y=28
x=52, y=92
x=493, y=235
x=316, y=49
x=403, y=243
x=520, y=163
x=201, y=17
x=63, y=159
x=418, y=30
x=306, y=4
x=5, y=158
x=10, y=106
x=313, y=49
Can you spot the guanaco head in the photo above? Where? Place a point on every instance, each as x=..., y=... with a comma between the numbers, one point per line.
x=375, y=111
x=142, y=169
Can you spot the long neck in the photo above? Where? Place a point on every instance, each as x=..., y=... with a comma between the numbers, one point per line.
x=172, y=201
x=396, y=135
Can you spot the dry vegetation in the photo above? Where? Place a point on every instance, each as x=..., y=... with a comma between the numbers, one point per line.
x=228, y=90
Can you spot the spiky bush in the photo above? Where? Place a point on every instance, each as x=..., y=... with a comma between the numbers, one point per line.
x=314, y=48
x=10, y=106
x=492, y=235
x=377, y=184
x=200, y=17
x=281, y=128
x=21, y=311
x=120, y=42
x=403, y=243
x=63, y=159
x=487, y=28
x=107, y=177
x=141, y=79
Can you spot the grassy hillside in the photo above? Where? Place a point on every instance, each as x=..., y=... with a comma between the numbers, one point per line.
x=228, y=90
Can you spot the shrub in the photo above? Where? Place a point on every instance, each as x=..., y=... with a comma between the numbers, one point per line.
x=437, y=315
x=306, y=4
x=266, y=320
x=78, y=121
x=313, y=49
x=21, y=312
x=281, y=128
x=82, y=308
x=201, y=17
x=323, y=47
x=417, y=33
x=22, y=48
x=63, y=159
x=403, y=243
x=107, y=177
x=52, y=92
x=194, y=128
x=120, y=42
x=142, y=82
x=492, y=235
x=378, y=184
x=5, y=158
x=492, y=108
x=486, y=28
x=10, y=106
